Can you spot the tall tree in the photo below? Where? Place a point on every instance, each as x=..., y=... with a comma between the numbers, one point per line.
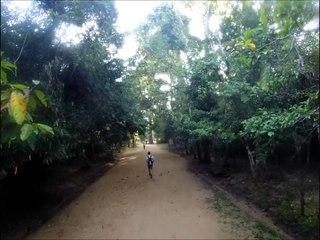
x=162, y=40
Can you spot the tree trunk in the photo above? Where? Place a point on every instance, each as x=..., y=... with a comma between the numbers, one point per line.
x=206, y=150
x=186, y=148
x=119, y=147
x=93, y=152
x=226, y=163
x=199, y=152
x=302, y=203
x=318, y=128
x=225, y=159
x=308, y=153
x=302, y=193
x=207, y=31
x=150, y=137
x=276, y=160
x=191, y=151
x=133, y=142
x=301, y=182
x=194, y=151
x=253, y=164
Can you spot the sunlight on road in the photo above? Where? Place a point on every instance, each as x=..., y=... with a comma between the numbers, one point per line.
x=125, y=160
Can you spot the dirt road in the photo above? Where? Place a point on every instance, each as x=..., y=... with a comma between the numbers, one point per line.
x=126, y=203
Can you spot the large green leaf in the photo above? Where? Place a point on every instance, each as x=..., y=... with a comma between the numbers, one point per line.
x=19, y=86
x=4, y=79
x=18, y=107
x=29, y=117
x=41, y=97
x=26, y=131
x=44, y=128
x=32, y=103
x=8, y=65
x=32, y=141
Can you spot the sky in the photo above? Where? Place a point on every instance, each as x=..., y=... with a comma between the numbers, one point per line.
x=132, y=13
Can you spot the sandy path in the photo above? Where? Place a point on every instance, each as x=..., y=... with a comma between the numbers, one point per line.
x=126, y=203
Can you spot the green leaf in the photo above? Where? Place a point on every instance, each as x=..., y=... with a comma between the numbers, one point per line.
x=18, y=107
x=4, y=79
x=244, y=98
x=35, y=128
x=246, y=34
x=248, y=41
x=41, y=97
x=244, y=60
x=32, y=102
x=252, y=46
x=264, y=20
x=44, y=128
x=8, y=65
x=29, y=117
x=308, y=103
x=5, y=94
x=270, y=134
x=32, y=142
x=19, y=86
x=35, y=82
x=26, y=131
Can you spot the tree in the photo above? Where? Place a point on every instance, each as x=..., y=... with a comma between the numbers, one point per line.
x=161, y=42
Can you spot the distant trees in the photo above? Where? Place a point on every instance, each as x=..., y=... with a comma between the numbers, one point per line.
x=252, y=83
x=158, y=65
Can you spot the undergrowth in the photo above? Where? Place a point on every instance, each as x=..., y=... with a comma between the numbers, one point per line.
x=241, y=222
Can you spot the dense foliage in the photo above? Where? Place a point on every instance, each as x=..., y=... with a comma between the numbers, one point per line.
x=254, y=82
x=86, y=105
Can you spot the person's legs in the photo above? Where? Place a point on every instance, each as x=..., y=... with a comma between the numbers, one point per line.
x=150, y=170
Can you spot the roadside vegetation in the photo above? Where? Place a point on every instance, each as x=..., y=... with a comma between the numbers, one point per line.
x=254, y=229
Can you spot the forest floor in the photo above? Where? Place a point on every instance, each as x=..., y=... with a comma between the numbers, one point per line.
x=126, y=203
x=273, y=198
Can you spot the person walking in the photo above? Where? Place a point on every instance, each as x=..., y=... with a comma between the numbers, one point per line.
x=150, y=160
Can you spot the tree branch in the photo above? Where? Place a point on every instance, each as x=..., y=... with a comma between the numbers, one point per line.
x=24, y=42
x=277, y=39
x=292, y=45
x=300, y=61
